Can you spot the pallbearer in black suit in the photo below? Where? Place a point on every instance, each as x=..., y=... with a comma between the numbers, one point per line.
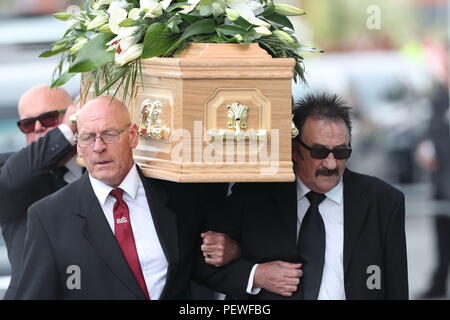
x=331, y=234
x=113, y=234
x=44, y=166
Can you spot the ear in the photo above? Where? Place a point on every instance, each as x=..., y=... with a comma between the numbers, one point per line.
x=134, y=137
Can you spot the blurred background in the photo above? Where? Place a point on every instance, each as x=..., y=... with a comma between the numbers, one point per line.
x=388, y=59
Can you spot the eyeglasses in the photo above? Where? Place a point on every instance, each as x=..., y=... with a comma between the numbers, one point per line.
x=108, y=137
x=322, y=152
x=47, y=119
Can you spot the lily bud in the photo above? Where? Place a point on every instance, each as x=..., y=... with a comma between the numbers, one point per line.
x=79, y=43
x=98, y=21
x=132, y=53
x=288, y=10
x=263, y=31
x=63, y=16
x=105, y=29
x=232, y=14
x=238, y=37
x=283, y=36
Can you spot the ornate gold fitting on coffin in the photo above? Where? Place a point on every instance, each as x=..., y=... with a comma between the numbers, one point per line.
x=151, y=124
x=237, y=119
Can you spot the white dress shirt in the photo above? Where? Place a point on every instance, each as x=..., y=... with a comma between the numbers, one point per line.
x=332, y=211
x=151, y=256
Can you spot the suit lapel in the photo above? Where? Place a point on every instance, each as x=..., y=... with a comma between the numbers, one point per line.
x=100, y=236
x=355, y=210
x=165, y=222
x=285, y=197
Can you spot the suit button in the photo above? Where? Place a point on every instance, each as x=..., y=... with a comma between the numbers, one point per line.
x=56, y=145
x=347, y=285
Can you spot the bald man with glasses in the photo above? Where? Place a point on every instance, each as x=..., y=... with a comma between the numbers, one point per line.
x=113, y=234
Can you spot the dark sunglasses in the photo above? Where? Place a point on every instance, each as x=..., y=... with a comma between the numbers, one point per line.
x=47, y=119
x=322, y=152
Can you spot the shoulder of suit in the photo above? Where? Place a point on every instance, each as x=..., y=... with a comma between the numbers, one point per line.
x=60, y=201
x=372, y=184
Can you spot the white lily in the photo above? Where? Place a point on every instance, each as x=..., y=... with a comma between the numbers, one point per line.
x=154, y=8
x=132, y=53
x=190, y=7
x=115, y=18
x=117, y=4
x=124, y=40
x=248, y=9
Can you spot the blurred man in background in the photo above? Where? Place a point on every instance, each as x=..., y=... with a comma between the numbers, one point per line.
x=434, y=156
x=41, y=168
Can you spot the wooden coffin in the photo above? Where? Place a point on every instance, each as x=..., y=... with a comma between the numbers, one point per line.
x=215, y=113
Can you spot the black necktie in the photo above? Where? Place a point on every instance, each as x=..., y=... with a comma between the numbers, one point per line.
x=311, y=247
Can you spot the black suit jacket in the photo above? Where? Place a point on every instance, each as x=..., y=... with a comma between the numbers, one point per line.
x=263, y=217
x=25, y=178
x=69, y=228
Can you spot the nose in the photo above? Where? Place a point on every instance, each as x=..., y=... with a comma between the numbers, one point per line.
x=99, y=145
x=38, y=127
x=330, y=162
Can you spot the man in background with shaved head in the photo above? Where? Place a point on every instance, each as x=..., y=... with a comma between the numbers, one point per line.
x=113, y=234
x=45, y=165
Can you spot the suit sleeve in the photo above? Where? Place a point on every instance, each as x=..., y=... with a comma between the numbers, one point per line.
x=39, y=277
x=35, y=159
x=396, y=269
x=231, y=279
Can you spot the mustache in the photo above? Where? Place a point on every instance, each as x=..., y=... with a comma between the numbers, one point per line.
x=326, y=172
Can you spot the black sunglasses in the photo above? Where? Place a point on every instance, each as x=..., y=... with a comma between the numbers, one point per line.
x=322, y=152
x=47, y=119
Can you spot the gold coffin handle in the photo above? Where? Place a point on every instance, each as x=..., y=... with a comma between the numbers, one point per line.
x=151, y=124
x=237, y=115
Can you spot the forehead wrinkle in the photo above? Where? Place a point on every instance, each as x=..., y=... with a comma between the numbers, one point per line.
x=324, y=130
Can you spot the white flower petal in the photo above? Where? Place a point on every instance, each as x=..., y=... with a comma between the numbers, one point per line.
x=116, y=17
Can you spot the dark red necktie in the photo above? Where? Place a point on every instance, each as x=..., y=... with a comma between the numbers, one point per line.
x=125, y=238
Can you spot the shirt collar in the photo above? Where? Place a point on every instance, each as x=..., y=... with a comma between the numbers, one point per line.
x=129, y=185
x=335, y=194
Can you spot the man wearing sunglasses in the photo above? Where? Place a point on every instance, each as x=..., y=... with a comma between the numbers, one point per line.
x=44, y=166
x=333, y=234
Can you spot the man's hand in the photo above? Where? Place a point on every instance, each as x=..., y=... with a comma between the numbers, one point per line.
x=278, y=277
x=71, y=110
x=219, y=249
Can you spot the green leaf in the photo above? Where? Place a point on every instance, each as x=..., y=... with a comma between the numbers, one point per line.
x=188, y=18
x=175, y=6
x=230, y=30
x=282, y=20
x=156, y=42
x=62, y=79
x=127, y=23
x=199, y=27
x=93, y=55
x=50, y=53
x=243, y=23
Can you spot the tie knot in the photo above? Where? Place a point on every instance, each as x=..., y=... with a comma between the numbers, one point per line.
x=315, y=198
x=117, y=193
